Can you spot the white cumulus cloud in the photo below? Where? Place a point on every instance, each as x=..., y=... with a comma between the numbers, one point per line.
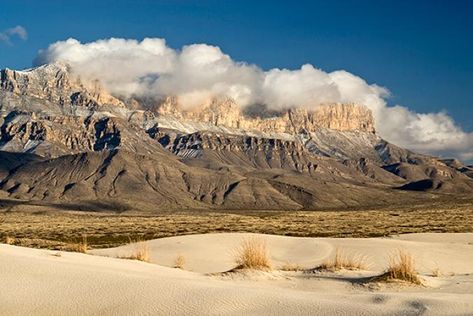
x=196, y=72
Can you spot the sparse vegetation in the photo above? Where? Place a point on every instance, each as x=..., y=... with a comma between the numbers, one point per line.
x=9, y=240
x=55, y=229
x=81, y=246
x=141, y=252
x=253, y=254
x=402, y=267
x=291, y=267
x=342, y=260
x=179, y=262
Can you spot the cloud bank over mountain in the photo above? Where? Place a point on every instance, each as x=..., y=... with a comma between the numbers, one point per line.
x=150, y=68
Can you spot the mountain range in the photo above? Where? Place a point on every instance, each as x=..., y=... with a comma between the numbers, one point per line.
x=65, y=141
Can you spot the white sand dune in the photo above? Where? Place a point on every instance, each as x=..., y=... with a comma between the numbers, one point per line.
x=215, y=252
x=37, y=282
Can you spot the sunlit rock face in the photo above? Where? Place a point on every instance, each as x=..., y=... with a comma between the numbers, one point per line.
x=225, y=112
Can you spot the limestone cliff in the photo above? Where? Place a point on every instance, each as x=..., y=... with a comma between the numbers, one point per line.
x=225, y=112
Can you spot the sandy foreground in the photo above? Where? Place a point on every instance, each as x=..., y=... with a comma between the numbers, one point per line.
x=43, y=282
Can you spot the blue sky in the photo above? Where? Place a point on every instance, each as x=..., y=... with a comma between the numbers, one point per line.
x=420, y=50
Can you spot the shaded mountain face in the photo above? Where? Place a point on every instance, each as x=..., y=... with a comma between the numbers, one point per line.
x=67, y=141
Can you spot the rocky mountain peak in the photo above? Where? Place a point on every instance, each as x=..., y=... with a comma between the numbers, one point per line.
x=57, y=84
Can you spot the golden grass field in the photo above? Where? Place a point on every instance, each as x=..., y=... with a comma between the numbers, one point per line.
x=64, y=230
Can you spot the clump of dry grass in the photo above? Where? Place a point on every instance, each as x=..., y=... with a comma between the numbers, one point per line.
x=291, y=267
x=9, y=240
x=436, y=272
x=342, y=261
x=179, y=262
x=253, y=254
x=402, y=267
x=140, y=253
x=81, y=246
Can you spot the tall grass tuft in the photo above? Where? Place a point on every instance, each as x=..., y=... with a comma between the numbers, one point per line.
x=253, y=254
x=402, y=267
